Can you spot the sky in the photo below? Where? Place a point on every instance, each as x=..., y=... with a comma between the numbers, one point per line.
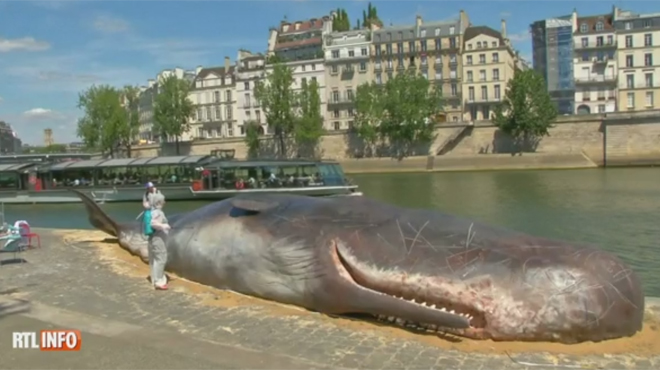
x=50, y=51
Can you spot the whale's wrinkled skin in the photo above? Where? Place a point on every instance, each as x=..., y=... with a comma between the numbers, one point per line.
x=415, y=268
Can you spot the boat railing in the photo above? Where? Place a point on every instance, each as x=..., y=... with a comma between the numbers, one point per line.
x=104, y=194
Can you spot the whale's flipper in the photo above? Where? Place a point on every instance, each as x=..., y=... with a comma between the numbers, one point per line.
x=96, y=216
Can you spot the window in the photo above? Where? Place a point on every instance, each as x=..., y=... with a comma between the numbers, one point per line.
x=424, y=60
x=377, y=50
x=351, y=53
x=496, y=74
x=478, y=44
x=601, y=108
x=351, y=112
x=437, y=31
x=629, y=60
x=228, y=94
x=629, y=41
x=454, y=89
x=648, y=79
x=200, y=115
x=482, y=75
x=303, y=82
x=333, y=69
x=484, y=93
x=411, y=46
x=469, y=60
x=302, y=68
x=438, y=44
x=363, y=66
x=610, y=40
x=631, y=100
x=599, y=41
x=216, y=95
x=585, y=42
x=648, y=39
x=379, y=78
x=630, y=81
x=246, y=85
x=482, y=58
x=422, y=45
x=628, y=25
x=452, y=30
x=364, y=52
x=335, y=96
x=584, y=28
x=388, y=48
x=257, y=116
x=337, y=126
x=599, y=26
x=218, y=116
x=228, y=115
x=209, y=116
x=246, y=102
x=335, y=113
x=471, y=93
x=649, y=98
x=399, y=47
x=585, y=57
x=423, y=33
x=335, y=54
x=648, y=59
x=452, y=42
x=496, y=58
x=349, y=94
x=469, y=76
x=498, y=93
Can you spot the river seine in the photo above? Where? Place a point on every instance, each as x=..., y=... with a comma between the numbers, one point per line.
x=614, y=208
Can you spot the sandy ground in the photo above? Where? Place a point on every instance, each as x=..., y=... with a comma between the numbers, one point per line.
x=644, y=344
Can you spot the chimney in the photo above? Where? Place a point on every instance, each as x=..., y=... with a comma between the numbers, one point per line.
x=503, y=29
x=574, y=20
x=227, y=64
x=418, y=21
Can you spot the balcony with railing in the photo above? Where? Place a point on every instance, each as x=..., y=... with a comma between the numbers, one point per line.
x=483, y=100
x=595, y=79
x=341, y=99
x=595, y=46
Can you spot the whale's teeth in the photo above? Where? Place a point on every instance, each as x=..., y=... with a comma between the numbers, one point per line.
x=423, y=303
x=391, y=319
x=432, y=306
x=413, y=300
x=443, y=309
x=452, y=311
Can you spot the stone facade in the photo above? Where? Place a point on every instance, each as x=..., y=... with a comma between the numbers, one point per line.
x=624, y=137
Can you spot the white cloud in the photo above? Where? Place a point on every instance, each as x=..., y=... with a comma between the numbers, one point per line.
x=22, y=44
x=40, y=113
x=110, y=25
x=520, y=36
x=505, y=14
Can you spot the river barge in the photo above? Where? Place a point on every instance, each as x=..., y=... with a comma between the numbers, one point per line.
x=201, y=177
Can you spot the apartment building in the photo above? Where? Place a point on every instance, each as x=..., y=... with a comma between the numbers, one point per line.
x=489, y=62
x=147, y=98
x=638, y=38
x=594, y=64
x=347, y=66
x=433, y=49
x=250, y=69
x=214, y=97
x=299, y=40
x=552, y=54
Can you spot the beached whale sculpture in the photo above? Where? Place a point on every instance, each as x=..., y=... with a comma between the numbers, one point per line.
x=418, y=268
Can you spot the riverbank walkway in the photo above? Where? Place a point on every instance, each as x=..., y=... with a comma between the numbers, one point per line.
x=79, y=281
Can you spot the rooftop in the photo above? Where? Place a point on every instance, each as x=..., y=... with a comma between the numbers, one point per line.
x=131, y=162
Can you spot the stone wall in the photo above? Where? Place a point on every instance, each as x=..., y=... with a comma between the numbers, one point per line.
x=619, y=137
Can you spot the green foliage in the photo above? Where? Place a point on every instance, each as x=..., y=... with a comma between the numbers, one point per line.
x=50, y=149
x=277, y=99
x=173, y=109
x=104, y=119
x=309, y=122
x=252, y=139
x=370, y=17
x=341, y=22
x=527, y=110
x=399, y=113
x=131, y=100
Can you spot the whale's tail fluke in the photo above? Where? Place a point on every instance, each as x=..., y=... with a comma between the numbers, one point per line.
x=97, y=217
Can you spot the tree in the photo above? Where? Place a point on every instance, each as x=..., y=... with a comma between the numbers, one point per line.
x=252, y=138
x=399, y=113
x=103, y=120
x=370, y=17
x=130, y=98
x=309, y=122
x=50, y=149
x=277, y=99
x=173, y=109
x=341, y=22
x=527, y=110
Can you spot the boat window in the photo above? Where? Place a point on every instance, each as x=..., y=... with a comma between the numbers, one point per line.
x=8, y=180
x=176, y=174
x=330, y=175
x=118, y=176
x=72, y=178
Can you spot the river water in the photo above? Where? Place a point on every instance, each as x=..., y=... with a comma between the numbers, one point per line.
x=614, y=208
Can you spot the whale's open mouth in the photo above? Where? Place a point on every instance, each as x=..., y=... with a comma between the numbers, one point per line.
x=414, y=297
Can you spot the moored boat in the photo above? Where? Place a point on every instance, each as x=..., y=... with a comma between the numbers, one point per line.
x=201, y=177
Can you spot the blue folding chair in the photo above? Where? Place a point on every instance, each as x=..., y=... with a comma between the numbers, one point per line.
x=13, y=242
